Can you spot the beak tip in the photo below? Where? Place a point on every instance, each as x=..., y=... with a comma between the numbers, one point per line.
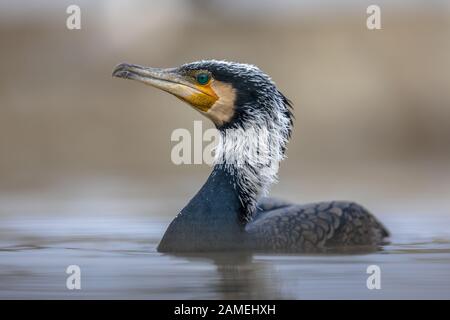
x=121, y=70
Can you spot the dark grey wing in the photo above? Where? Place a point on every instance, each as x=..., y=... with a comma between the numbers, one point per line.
x=280, y=226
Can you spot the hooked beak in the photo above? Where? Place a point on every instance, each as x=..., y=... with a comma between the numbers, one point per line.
x=171, y=81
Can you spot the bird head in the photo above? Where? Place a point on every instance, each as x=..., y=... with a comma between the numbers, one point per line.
x=230, y=94
x=253, y=117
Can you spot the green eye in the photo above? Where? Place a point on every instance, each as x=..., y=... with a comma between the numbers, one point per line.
x=203, y=78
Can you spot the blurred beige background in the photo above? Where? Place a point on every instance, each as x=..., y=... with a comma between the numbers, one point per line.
x=372, y=107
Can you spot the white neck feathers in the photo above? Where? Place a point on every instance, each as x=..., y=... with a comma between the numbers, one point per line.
x=251, y=153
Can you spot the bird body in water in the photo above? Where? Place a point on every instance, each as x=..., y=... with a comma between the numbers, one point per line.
x=231, y=212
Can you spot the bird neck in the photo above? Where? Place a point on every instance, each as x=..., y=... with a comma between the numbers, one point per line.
x=217, y=201
x=245, y=166
x=250, y=155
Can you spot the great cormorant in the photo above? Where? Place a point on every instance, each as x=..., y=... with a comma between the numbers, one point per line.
x=230, y=212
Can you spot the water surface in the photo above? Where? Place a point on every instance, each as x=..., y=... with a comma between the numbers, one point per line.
x=114, y=240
